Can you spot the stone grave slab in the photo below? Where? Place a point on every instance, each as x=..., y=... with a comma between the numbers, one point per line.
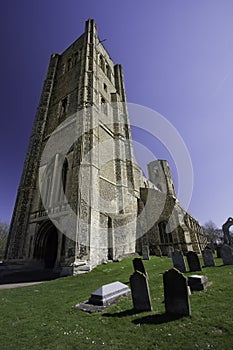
x=193, y=261
x=208, y=257
x=145, y=252
x=108, y=293
x=178, y=261
x=226, y=254
x=176, y=293
x=140, y=292
x=198, y=282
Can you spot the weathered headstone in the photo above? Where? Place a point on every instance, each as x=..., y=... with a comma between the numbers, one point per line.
x=226, y=254
x=176, y=295
x=158, y=251
x=193, y=261
x=139, y=266
x=170, y=250
x=178, y=261
x=140, y=292
x=218, y=250
x=145, y=252
x=108, y=293
x=208, y=257
x=197, y=283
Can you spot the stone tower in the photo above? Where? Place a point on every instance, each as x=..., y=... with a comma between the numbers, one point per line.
x=83, y=82
x=82, y=198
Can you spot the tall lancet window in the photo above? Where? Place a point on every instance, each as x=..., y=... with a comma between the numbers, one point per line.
x=64, y=178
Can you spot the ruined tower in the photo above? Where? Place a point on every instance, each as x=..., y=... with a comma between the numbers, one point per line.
x=81, y=192
x=83, y=82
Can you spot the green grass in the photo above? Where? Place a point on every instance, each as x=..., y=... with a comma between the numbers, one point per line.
x=43, y=316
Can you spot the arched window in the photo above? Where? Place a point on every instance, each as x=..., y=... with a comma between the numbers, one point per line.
x=69, y=64
x=76, y=57
x=108, y=72
x=102, y=65
x=103, y=106
x=165, y=237
x=63, y=106
x=64, y=175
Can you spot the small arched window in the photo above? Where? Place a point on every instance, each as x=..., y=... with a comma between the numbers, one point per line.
x=63, y=106
x=69, y=64
x=108, y=72
x=165, y=237
x=64, y=175
x=102, y=65
x=76, y=57
x=103, y=106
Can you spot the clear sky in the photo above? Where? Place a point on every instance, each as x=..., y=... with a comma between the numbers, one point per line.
x=177, y=57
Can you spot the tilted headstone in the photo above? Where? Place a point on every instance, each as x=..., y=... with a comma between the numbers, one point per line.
x=140, y=292
x=226, y=254
x=145, y=252
x=178, y=261
x=208, y=257
x=197, y=282
x=176, y=293
x=139, y=266
x=193, y=261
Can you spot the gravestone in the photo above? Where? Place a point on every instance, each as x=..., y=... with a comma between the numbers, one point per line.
x=170, y=250
x=193, y=261
x=226, y=254
x=139, y=266
x=108, y=293
x=176, y=293
x=197, y=282
x=218, y=250
x=178, y=261
x=140, y=292
x=145, y=252
x=158, y=251
x=208, y=257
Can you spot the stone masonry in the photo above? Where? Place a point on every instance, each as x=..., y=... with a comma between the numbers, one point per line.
x=84, y=81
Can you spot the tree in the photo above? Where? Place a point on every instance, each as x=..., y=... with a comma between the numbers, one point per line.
x=213, y=234
x=4, y=230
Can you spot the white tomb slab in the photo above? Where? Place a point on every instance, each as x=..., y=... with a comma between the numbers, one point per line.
x=108, y=293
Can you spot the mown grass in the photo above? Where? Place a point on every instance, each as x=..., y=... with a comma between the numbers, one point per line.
x=43, y=316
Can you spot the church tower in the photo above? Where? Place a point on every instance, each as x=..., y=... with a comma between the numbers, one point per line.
x=77, y=208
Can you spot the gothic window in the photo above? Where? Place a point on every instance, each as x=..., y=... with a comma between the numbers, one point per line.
x=64, y=106
x=108, y=72
x=105, y=88
x=102, y=65
x=76, y=57
x=64, y=174
x=165, y=237
x=103, y=106
x=69, y=64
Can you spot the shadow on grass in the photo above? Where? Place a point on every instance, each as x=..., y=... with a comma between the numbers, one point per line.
x=150, y=319
x=157, y=319
x=121, y=313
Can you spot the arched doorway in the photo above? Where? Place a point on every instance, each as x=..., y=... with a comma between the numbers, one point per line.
x=46, y=245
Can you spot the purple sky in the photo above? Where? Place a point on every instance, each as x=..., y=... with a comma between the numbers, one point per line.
x=177, y=58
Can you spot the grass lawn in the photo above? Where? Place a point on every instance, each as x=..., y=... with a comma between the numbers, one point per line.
x=43, y=316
